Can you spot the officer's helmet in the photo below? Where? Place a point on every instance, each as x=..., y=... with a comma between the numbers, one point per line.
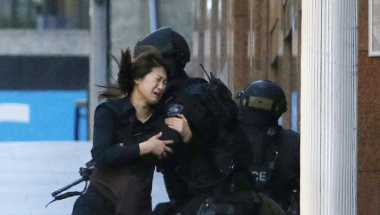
x=169, y=43
x=263, y=95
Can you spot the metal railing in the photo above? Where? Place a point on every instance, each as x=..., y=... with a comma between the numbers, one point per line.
x=80, y=105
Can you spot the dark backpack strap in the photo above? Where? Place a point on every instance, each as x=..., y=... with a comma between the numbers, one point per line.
x=266, y=150
x=274, y=138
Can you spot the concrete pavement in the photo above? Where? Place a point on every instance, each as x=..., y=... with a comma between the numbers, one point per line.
x=31, y=171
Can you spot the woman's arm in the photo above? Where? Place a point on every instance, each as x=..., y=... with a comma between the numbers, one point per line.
x=155, y=146
x=180, y=125
x=105, y=149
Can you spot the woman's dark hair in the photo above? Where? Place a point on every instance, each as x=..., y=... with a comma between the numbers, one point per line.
x=147, y=59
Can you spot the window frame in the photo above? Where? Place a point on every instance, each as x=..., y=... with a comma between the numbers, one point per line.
x=371, y=51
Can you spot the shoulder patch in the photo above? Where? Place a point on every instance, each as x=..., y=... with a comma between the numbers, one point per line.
x=174, y=109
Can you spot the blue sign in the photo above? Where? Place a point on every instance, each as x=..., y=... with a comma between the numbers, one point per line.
x=38, y=115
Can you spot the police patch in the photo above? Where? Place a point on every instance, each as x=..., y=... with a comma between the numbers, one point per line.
x=174, y=109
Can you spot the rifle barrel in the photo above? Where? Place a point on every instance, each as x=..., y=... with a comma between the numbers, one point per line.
x=67, y=187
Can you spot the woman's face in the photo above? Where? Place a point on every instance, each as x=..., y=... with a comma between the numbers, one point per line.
x=151, y=87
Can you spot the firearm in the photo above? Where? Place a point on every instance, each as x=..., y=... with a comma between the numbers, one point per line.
x=85, y=173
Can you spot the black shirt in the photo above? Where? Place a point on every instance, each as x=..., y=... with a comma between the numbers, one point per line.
x=121, y=174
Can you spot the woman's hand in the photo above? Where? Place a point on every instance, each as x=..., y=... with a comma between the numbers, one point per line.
x=156, y=146
x=181, y=125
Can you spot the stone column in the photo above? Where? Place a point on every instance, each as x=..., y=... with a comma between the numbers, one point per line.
x=329, y=107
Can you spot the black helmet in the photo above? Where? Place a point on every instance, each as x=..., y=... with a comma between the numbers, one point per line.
x=263, y=96
x=169, y=43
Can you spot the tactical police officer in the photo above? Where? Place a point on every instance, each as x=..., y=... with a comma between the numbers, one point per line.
x=276, y=151
x=210, y=173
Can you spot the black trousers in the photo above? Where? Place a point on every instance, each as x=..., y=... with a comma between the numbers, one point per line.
x=93, y=203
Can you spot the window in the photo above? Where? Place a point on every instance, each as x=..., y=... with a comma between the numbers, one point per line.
x=374, y=28
x=44, y=14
